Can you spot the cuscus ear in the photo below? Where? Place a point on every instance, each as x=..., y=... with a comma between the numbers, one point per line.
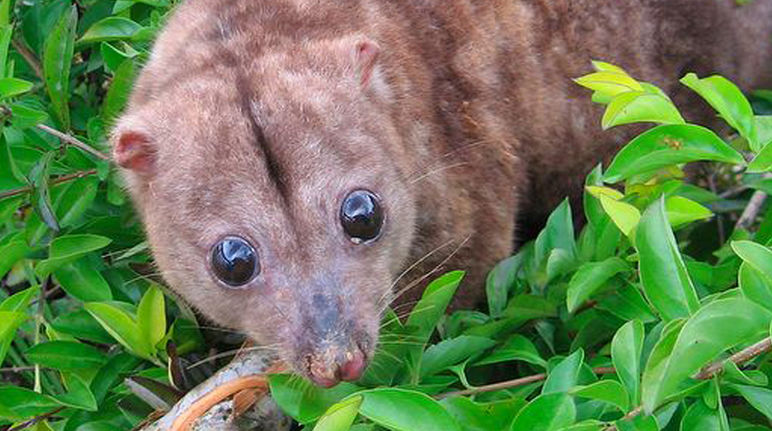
x=366, y=53
x=134, y=150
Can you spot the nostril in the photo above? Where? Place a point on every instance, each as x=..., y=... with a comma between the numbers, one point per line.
x=354, y=366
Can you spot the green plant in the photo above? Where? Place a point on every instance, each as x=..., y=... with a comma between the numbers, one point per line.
x=629, y=325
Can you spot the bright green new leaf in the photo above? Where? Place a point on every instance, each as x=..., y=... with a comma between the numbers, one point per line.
x=110, y=28
x=403, y=410
x=340, y=416
x=669, y=145
x=433, y=303
x=727, y=100
x=663, y=272
x=78, y=395
x=763, y=160
x=755, y=255
x=591, y=277
x=681, y=211
x=151, y=316
x=640, y=107
x=547, y=412
x=69, y=248
x=712, y=330
x=609, y=83
x=10, y=87
x=65, y=355
x=122, y=326
x=626, y=349
x=609, y=391
x=624, y=215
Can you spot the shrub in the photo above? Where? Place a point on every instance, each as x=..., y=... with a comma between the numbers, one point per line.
x=655, y=316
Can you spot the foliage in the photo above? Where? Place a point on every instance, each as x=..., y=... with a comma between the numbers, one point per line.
x=628, y=324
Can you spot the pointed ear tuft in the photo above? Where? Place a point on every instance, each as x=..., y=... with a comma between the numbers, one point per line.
x=134, y=150
x=367, y=53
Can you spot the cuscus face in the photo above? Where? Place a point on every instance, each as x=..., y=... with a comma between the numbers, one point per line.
x=274, y=200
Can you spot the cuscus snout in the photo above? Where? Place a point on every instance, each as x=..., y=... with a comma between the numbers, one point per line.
x=332, y=346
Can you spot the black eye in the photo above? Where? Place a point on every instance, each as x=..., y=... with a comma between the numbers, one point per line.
x=234, y=261
x=361, y=216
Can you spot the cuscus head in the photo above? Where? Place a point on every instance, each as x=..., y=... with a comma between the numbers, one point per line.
x=273, y=193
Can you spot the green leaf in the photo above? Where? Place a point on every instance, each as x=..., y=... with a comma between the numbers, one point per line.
x=79, y=395
x=26, y=403
x=712, y=330
x=565, y=374
x=516, y=348
x=19, y=301
x=23, y=117
x=81, y=280
x=111, y=28
x=65, y=355
x=759, y=398
x=610, y=83
x=340, y=416
x=121, y=326
x=10, y=254
x=668, y=145
x=626, y=349
x=76, y=200
x=69, y=248
x=57, y=60
x=403, y=410
x=305, y=402
x=151, y=316
x=763, y=160
x=755, y=285
x=431, y=307
x=590, y=278
x=10, y=87
x=9, y=322
x=558, y=234
x=483, y=416
x=38, y=177
x=756, y=256
x=681, y=211
x=118, y=93
x=640, y=107
x=701, y=417
x=499, y=281
x=624, y=215
x=609, y=391
x=727, y=99
x=663, y=272
x=547, y=412
x=441, y=356
x=82, y=325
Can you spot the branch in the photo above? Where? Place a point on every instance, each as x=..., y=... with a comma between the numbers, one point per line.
x=58, y=180
x=36, y=419
x=711, y=370
x=514, y=383
x=29, y=56
x=73, y=141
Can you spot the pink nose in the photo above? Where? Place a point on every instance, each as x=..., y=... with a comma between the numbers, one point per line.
x=329, y=375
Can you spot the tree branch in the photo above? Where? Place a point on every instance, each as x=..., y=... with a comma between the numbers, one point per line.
x=29, y=56
x=58, y=180
x=75, y=142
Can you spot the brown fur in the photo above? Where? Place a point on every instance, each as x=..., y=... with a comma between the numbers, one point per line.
x=255, y=121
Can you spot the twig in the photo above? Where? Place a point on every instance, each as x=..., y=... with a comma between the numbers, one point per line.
x=514, y=383
x=29, y=56
x=17, y=369
x=36, y=419
x=58, y=180
x=753, y=208
x=75, y=142
x=713, y=369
